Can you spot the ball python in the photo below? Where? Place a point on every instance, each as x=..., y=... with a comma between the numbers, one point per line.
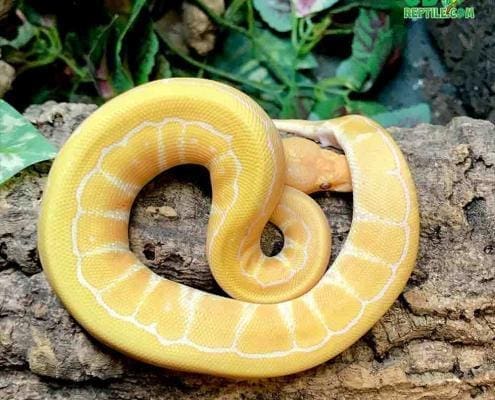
x=287, y=313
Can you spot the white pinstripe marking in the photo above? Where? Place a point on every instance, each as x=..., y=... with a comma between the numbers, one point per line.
x=112, y=214
x=131, y=271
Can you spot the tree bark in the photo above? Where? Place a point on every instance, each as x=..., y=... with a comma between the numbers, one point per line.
x=436, y=342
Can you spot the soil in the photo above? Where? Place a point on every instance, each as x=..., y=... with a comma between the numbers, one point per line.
x=467, y=47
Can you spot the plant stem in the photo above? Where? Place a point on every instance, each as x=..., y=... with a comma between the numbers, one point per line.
x=81, y=73
x=341, y=31
x=219, y=72
x=250, y=18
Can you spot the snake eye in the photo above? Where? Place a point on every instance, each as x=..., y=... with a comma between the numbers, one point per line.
x=325, y=186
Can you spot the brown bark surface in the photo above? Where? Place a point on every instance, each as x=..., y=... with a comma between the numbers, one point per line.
x=436, y=342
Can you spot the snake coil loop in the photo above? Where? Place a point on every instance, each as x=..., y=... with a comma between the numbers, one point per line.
x=287, y=313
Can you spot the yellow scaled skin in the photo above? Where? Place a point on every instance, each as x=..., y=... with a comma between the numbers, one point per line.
x=288, y=313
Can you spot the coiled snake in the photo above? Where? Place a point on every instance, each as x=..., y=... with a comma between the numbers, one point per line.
x=287, y=313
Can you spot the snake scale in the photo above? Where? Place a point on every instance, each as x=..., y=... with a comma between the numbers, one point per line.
x=287, y=312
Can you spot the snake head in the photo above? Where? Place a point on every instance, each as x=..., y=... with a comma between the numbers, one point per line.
x=313, y=169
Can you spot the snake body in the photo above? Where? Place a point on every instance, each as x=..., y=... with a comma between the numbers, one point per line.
x=287, y=313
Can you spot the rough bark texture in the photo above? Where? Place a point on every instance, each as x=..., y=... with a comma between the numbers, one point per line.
x=436, y=342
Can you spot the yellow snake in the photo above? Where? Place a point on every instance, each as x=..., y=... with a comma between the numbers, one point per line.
x=287, y=313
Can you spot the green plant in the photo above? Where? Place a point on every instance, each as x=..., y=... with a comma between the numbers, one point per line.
x=273, y=49
x=21, y=144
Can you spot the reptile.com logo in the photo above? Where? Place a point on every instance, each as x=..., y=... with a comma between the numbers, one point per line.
x=437, y=9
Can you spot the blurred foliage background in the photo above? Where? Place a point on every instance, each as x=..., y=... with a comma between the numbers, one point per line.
x=298, y=58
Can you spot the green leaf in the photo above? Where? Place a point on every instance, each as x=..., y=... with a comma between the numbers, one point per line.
x=281, y=52
x=147, y=51
x=97, y=59
x=307, y=62
x=405, y=117
x=21, y=144
x=31, y=13
x=120, y=76
x=25, y=33
x=371, y=47
x=353, y=73
x=306, y=7
x=328, y=107
x=256, y=62
x=365, y=107
x=398, y=26
x=235, y=11
x=82, y=46
x=37, y=43
x=99, y=37
x=238, y=57
x=276, y=13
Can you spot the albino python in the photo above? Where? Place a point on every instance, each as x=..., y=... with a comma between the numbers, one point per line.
x=288, y=314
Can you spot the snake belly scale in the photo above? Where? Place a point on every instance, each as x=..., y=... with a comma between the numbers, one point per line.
x=287, y=313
